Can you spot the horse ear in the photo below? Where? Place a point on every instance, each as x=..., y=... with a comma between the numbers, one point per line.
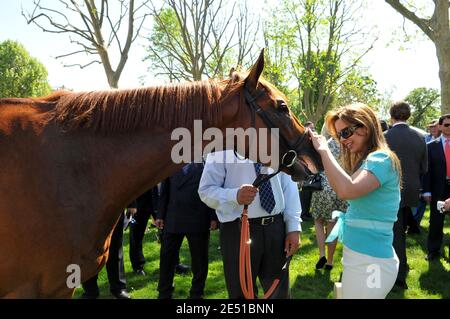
x=231, y=72
x=255, y=72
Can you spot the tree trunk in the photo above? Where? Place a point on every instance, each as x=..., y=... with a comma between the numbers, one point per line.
x=442, y=43
x=443, y=54
x=438, y=30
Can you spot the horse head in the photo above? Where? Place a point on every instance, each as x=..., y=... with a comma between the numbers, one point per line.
x=268, y=108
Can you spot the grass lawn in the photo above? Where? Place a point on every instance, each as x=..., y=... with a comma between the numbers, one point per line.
x=425, y=280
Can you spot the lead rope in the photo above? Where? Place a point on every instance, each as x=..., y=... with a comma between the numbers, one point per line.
x=245, y=267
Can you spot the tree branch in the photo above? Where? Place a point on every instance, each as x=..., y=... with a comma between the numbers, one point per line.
x=423, y=24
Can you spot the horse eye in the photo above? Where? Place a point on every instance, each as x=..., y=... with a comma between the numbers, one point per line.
x=282, y=106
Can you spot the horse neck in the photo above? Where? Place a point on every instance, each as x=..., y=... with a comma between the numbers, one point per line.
x=138, y=160
x=135, y=163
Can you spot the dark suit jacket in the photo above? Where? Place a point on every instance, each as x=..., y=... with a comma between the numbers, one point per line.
x=180, y=205
x=411, y=149
x=148, y=201
x=435, y=178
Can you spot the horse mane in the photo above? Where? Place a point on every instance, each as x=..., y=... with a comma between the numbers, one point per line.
x=167, y=106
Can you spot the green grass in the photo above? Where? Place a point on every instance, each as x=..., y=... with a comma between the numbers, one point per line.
x=425, y=280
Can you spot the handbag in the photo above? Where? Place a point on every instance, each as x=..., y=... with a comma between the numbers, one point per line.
x=313, y=183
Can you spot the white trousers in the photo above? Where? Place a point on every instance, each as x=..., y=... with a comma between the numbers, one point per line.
x=367, y=277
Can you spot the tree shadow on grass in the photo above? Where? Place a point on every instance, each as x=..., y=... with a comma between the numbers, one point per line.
x=436, y=279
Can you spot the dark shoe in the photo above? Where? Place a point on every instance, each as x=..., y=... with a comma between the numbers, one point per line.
x=401, y=284
x=140, y=272
x=322, y=261
x=123, y=294
x=181, y=269
x=432, y=256
x=328, y=267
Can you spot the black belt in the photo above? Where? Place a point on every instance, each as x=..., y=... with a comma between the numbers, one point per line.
x=264, y=221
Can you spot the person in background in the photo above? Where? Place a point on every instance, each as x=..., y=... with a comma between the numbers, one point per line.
x=384, y=125
x=323, y=203
x=433, y=133
x=181, y=214
x=410, y=148
x=370, y=182
x=306, y=195
x=436, y=185
x=145, y=205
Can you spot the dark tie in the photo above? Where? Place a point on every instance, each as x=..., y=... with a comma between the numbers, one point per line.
x=265, y=192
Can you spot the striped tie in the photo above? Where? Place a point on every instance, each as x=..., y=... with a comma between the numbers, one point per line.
x=265, y=192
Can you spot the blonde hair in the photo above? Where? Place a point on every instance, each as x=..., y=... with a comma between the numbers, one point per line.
x=361, y=114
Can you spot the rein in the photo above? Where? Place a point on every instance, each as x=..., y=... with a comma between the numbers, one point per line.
x=287, y=160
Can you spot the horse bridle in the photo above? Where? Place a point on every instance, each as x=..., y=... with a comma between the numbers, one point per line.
x=288, y=158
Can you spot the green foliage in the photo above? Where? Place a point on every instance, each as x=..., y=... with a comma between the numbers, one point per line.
x=358, y=86
x=166, y=30
x=319, y=76
x=278, y=39
x=425, y=106
x=20, y=74
x=309, y=49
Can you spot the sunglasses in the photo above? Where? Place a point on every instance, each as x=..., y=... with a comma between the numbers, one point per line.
x=446, y=124
x=348, y=131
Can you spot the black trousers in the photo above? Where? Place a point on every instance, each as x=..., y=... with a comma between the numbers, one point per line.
x=137, y=232
x=399, y=241
x=267, y=257
x=305, y=201
x=436, y=230
x=169, y=258
x=114, y=266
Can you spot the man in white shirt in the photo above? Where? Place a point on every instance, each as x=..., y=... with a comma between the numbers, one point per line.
x=226, y=186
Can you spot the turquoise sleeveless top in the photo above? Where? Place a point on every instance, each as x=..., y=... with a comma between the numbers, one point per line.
x=367, y=227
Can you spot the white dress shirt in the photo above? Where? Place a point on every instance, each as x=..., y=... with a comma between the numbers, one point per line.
x=222, y=176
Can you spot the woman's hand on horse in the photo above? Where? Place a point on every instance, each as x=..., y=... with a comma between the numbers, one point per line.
x=246, y=194
x=319, y=141
x=159, y=223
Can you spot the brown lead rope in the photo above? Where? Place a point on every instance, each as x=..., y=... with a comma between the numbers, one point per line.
x=245, y=267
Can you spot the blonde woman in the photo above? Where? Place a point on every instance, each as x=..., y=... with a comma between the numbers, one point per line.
x=370, y=182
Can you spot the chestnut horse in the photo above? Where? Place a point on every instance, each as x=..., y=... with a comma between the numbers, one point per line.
x=70, y=163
